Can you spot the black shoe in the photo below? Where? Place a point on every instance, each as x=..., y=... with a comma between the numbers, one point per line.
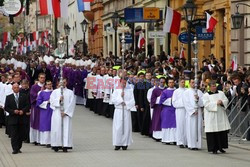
x=117, y=148
x=222, y=151
x=55, y=149
x=182, y=146
x=15, y=152
x=65, y=150
x=35, y=143
x=174, y=143
x=124, y=147
x=214, y=152
x=194, y=149
x=48, y=145
x=19, y=151
x=167, y=143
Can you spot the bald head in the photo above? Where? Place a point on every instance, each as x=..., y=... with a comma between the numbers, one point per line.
x=15, y=88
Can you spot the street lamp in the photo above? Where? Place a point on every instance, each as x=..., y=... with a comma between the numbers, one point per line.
x=61, y=52
x=195, y=46
x=115, y=21
x=84, y=25
x=67, y=31
x=238, y=18
x=189, y=11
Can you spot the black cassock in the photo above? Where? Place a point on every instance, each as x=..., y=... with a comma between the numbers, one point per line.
x=217, y=141
x=143, y=117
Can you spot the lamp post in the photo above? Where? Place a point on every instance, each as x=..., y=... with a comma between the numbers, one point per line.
x=61, y=52
x=84, y=25
x=67, y=31
x=195, y=47
x=189, y=11
x=238, y=18
x=115, y=21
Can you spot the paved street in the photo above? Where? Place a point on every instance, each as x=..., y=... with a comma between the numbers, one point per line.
x=93, y=148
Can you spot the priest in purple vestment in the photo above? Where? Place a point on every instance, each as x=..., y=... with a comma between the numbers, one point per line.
x=45, y=114
x=168, y=120
x=35, y=111
x=155, y=128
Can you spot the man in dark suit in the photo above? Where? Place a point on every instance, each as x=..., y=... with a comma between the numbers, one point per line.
x=44, y=70
x=17, y=105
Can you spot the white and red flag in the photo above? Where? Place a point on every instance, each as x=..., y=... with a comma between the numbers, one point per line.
x=6, y=38
x=234, y=64
x=141, y=40
x=172, y=21
x=46, y=7
x=60, y=8
x=182, y=53
x=211, y=23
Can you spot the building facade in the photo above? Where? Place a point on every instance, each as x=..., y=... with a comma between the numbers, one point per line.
x=220, y=46
x=95, y=30
x=241, y=37
x=110, y=6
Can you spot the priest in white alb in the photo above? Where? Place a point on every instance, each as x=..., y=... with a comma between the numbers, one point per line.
x=122, y=124
x=61, y=121
x=193, y=116
x=180, y=112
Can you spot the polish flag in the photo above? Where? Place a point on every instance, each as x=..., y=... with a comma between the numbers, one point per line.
x=172, y=21
x=141, y=40
x=211, y=22
x=35, y=35
x=6, y=38
x=60, y=8
x=182, y=55
x=234, y=63
x=46, y=7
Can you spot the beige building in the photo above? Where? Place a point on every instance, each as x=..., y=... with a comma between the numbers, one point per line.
x=110, y=6
x=220, y=46
x=241, y=37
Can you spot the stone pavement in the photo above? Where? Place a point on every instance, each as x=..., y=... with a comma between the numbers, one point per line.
x=93, y=148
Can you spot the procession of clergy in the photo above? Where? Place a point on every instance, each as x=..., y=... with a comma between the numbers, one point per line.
x=150, y=105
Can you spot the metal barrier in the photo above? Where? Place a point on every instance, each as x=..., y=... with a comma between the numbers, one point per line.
x=236, y=126
x=232, y=110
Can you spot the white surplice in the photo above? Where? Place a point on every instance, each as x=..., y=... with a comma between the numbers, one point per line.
x=215, y=117
x=57, y=138
x=193, y=122
x=149, y=94
x=122, y=124
x=180, y=113
x=2, y=94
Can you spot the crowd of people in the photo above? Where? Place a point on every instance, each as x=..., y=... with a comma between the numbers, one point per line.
x=154, y=96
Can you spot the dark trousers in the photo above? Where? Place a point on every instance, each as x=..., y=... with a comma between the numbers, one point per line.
x=98, y=108
x=27, y=129
x=17, y=136
x=140, y=116
x=146, y=122
x=2, y=117
x=7, y=129
x=111, y=110
x=217, y=141
x=135, y=126
x=105, y=111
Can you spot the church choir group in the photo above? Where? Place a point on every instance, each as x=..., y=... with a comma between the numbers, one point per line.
x=156, y=106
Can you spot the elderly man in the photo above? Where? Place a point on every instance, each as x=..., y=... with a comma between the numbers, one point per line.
x=17, y=105
x=216, y=120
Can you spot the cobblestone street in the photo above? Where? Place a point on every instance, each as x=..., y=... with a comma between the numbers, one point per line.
x=93, y=148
